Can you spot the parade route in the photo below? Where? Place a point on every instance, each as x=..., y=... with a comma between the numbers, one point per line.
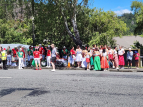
x=70, y=88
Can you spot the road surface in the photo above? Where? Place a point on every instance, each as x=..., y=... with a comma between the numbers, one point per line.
x=71, y=88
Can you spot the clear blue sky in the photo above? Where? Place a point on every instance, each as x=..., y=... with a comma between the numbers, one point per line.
x=118, y=6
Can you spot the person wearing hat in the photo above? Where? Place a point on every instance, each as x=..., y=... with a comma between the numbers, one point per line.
x=136, y=56
x=4, y=57
x=36, y=55
x=64, y=52
x=48, y=56
x=20, y=56
x=130, y=58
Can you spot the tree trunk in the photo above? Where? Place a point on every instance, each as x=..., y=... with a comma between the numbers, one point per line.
x=75, y=37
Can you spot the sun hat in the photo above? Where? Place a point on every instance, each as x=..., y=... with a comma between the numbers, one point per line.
x=130, y=49
x=4, y=49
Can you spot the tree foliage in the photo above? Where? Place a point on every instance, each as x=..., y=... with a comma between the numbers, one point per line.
x=130, y=21
x=137, y=7
x=62, y=22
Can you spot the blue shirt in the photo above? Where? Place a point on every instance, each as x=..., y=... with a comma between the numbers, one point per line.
x=130, y=55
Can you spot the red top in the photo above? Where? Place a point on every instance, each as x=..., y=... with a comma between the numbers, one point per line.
x=23, y=53
x=73, y=52
x=136, y=56
x=36, y=54
x=14, y=52
x=48, y=53
x=40, y=50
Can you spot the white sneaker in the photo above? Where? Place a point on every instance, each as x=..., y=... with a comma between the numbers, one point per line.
x=88, y=70
x=113, y=66
x=20, y=68
x=117, y=68
x=53, y=70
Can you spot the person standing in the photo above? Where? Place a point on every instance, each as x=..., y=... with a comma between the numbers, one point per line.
x=41, y=52
x=30, y=55
x=121, y=53
x=129, y=58
x=88, y=60
x=104, y=62
x=4, y=57
x=15, y=50
x=20, y=56
x=72, y=56
x=53, y=56
x=36, y=55
x=24, y=61
x=64, y=52
x=97, y=65
x=136, y=56
x=78, y=56
x=116, y=61
x=8, y=56
x=0, y=53
x=110, y=54
x=48, y=56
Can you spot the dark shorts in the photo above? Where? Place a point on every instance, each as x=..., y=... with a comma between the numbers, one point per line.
x=53, y=59
x=129, y=61
x=136, y=60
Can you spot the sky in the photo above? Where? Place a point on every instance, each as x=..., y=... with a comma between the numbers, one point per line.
x=118, y=6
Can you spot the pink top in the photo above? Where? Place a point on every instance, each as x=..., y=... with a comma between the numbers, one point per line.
x=136, y=56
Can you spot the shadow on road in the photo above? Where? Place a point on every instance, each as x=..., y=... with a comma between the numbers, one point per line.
x=34, y=91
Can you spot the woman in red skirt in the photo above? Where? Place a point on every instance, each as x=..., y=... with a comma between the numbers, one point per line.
x=121, y=53
x=104, y=62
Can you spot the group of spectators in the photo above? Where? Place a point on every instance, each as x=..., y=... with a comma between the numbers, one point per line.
x=104, y=57
x=94, y=57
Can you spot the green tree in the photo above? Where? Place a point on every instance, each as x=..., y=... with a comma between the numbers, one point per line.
x=137, y=7
x=130, y=21
x=105, y=26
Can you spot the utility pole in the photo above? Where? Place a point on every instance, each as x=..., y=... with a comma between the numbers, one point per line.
x=33, y=31
x=32, y=3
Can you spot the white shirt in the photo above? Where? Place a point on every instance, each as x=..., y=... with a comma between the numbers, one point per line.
x=120, y=52
x=104, y=54
x=115, y=52
x=100, y=51
x=110, y=51
x=54, y=52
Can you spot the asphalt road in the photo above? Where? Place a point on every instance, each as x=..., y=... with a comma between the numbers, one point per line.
x=31, y=88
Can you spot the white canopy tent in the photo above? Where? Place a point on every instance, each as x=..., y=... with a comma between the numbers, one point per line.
x=13, y=45
x=18, y=45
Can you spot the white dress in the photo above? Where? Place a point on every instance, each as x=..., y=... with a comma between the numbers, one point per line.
x=78, y=56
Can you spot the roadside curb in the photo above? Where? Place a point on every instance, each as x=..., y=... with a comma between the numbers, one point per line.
x=74, y=68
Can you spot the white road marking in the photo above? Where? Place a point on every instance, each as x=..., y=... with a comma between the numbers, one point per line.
x=5, y=77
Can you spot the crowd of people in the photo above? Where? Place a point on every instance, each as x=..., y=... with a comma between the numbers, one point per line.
x=95, y=57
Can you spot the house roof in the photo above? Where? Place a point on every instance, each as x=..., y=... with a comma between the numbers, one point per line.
x=127, y=41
